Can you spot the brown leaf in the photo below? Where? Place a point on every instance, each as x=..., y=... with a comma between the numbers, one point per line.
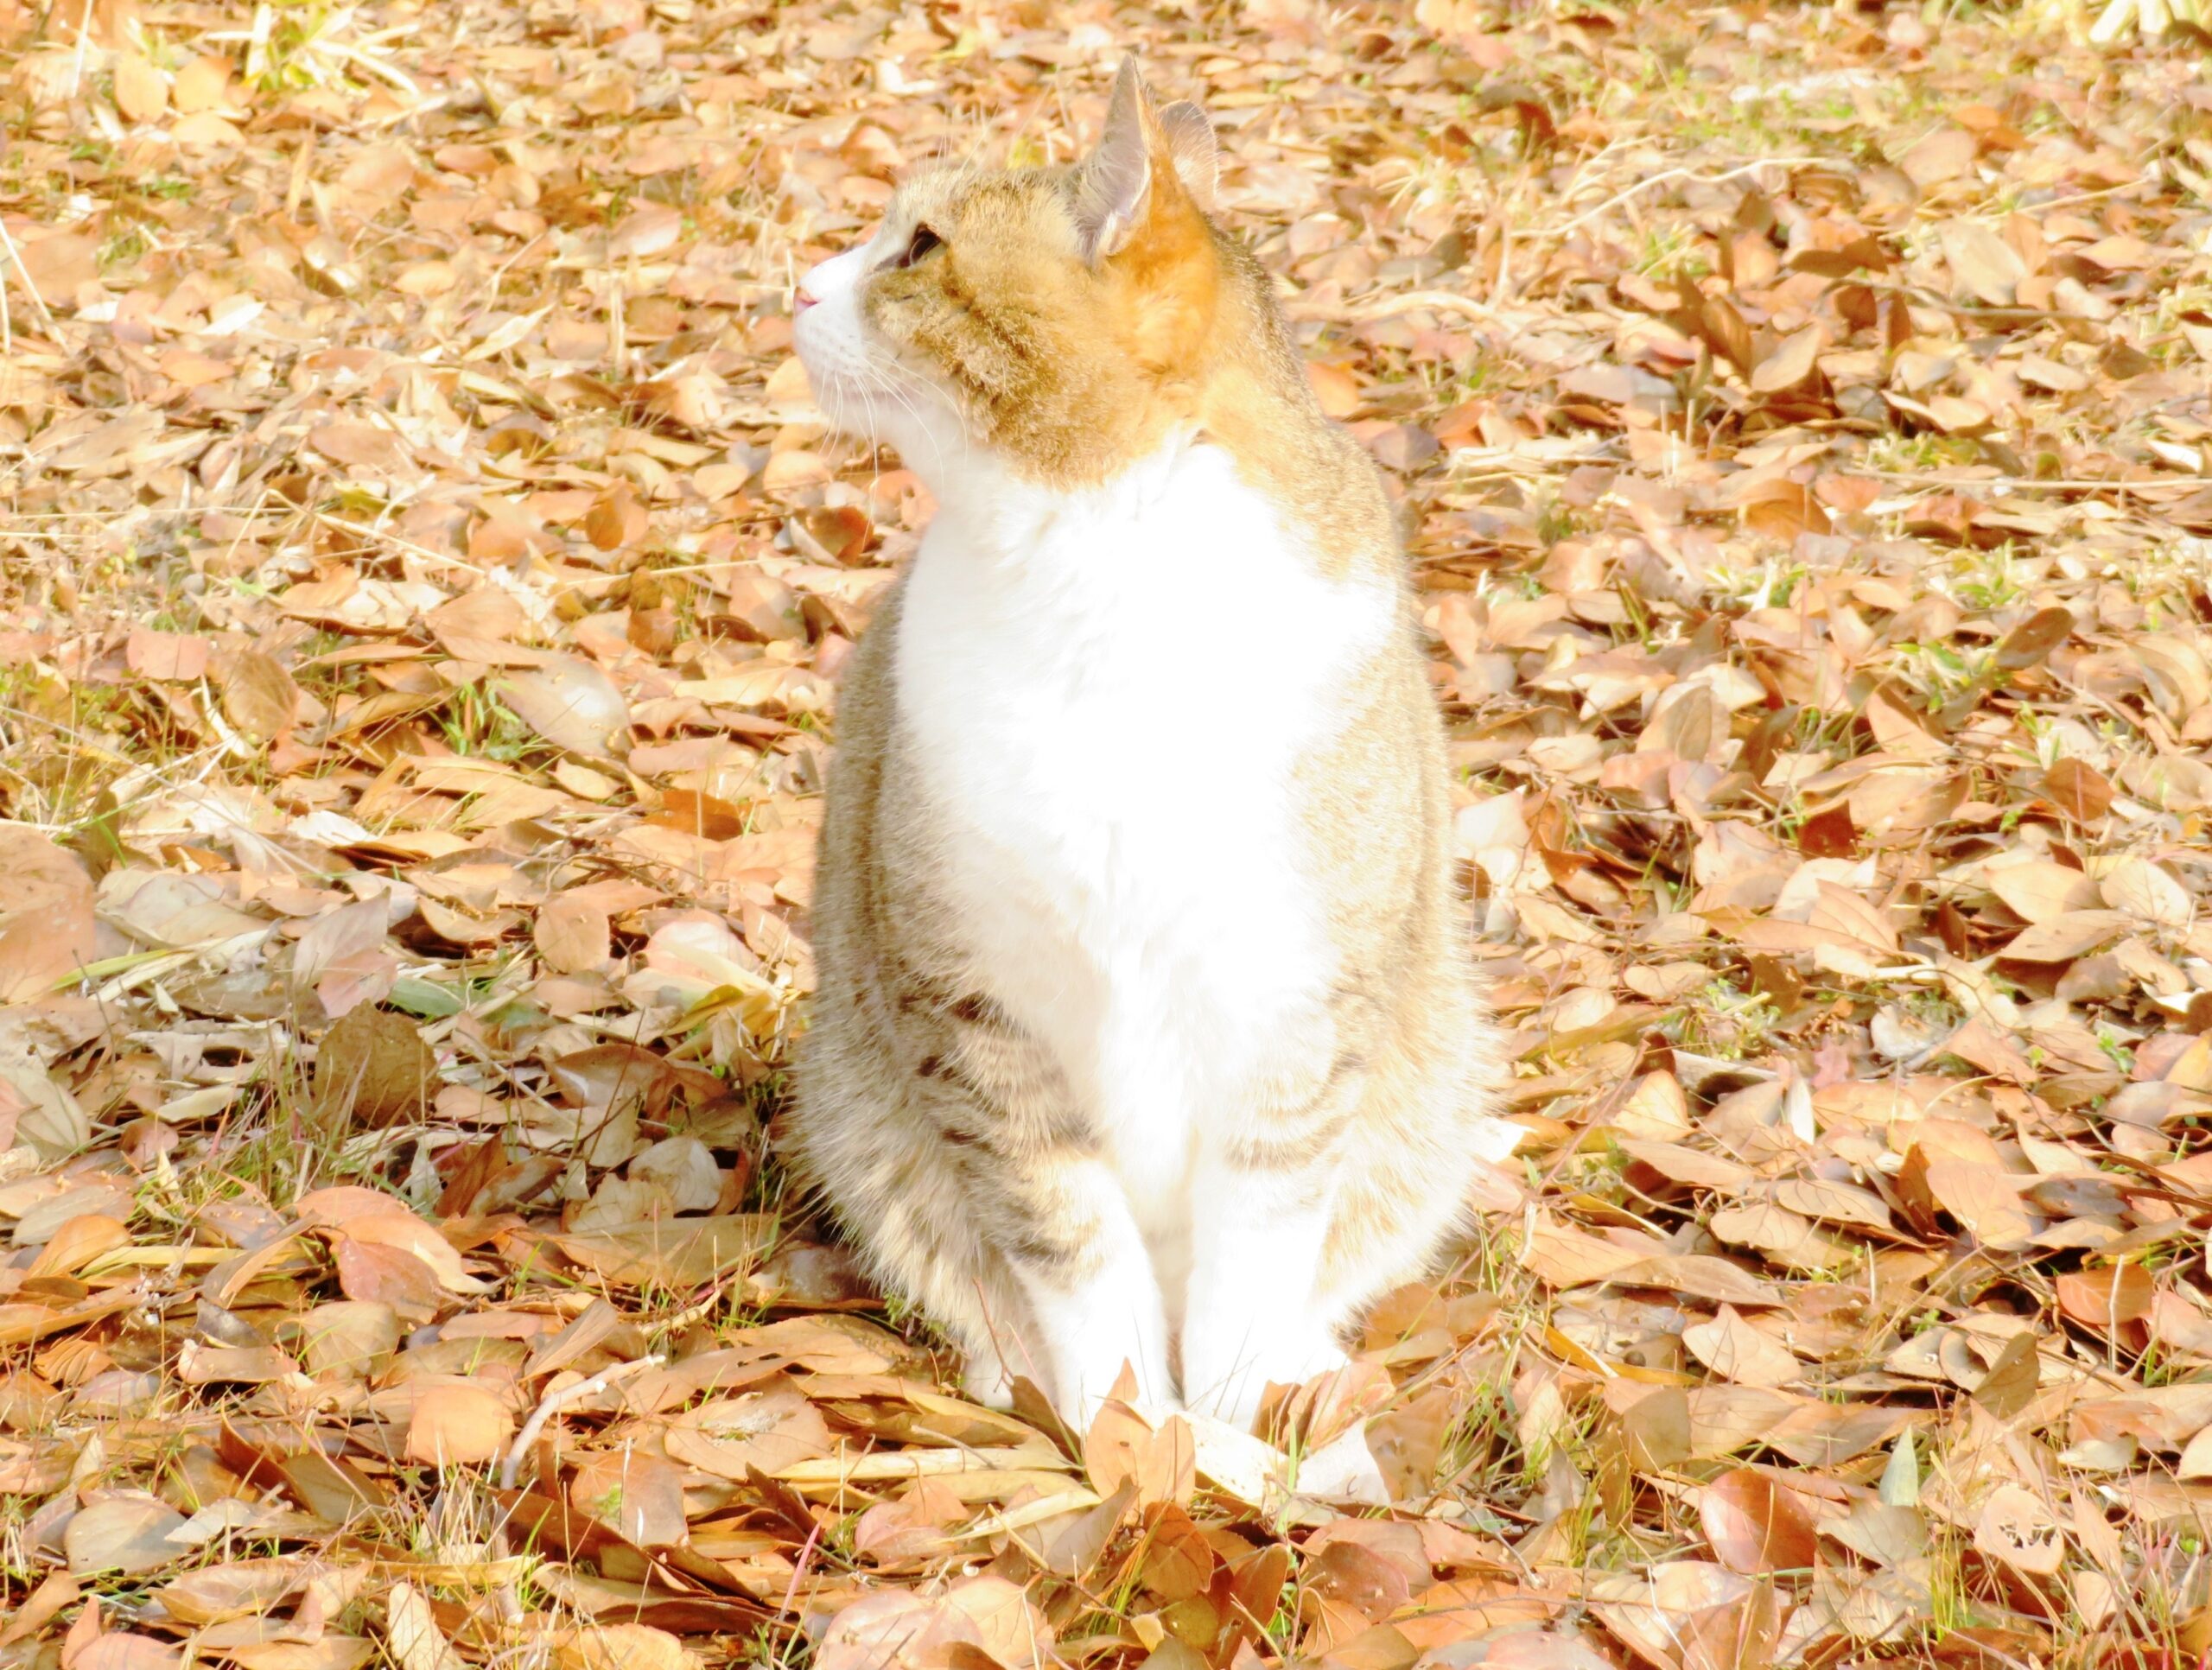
x=1013, y=1631
x=175, y=656
x=917, y=1526
x=122, y=1650
x=1828, y=834
x=1988, y=267
x=373, y=1274
x=617, y=520
x=1735, y=1350
x=47, y=929
x=571, y=704
x=1985, y=1202
x=142, y=92
x=2030, y=644
x=1838, y=1202
x=412, y=1634
x=349, y=1339
x=2039, y=890
x=1791, y=360
x=2147, y=891
x=55, y=1591
x=1336, y=387
x=2196, y=1456
x=457, y=1425
x=1944, y=156
x=1724, y=332
x=1781, y=509
x=81, y=1634
x=405, y=1232
x=1655, y=1428
x=573, y=935
x=1123, y=1446
x=2011, y=1383
x=78, y=1241
x=2067, y=935
x=1178, y=1561
x=2017, y=1527
x=373, y=1068
x=647, y=229
x=765, y=1432
x=621, y=1647
x=633, y=1494
x=56, y=264
x=2104, y=1299
x=257, y=695
x=1350, y=1576
x=1756, y=1525
x=126, y=1533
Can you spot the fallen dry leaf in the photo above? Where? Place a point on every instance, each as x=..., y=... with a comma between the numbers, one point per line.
x=47, y=929
x=457, y=1427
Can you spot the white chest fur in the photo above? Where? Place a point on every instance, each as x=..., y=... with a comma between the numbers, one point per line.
x=1107, y=695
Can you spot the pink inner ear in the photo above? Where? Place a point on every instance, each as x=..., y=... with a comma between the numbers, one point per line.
x=1190, y=142
x=1116, y=177
x=1116, y=181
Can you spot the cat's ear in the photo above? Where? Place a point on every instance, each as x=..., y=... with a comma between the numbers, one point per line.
x=1113, y=187
x=1190, y=142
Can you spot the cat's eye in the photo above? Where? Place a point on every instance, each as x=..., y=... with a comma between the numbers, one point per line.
x=919, y=245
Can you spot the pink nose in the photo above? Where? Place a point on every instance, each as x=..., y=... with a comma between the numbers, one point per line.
x=804, y=299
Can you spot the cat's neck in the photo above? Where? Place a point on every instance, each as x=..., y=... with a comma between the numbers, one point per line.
x=1090, y=584
x=989, y=511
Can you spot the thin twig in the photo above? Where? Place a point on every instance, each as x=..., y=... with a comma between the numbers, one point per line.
x=1442, y=300
x=2024, y=484
x=553, y=1402
x=16, y=256
x=1666, y=175
x=84, y=35
x=799, y=1571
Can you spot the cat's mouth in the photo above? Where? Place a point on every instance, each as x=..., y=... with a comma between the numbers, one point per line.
x=827, y=333
x=859, y=386
x=832, y=386
x=850, y=385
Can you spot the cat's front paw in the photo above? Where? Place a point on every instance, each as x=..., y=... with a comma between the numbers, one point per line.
x=1147, y=1394
x=1231, y=1389
x=989, y=1382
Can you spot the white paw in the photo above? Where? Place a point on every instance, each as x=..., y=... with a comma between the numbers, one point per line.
x=1154, y=1399
x=1232, y=1390
x=989, y=1382
x=1156, y=1412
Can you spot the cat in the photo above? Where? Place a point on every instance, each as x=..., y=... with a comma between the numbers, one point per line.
x=1147, y=1035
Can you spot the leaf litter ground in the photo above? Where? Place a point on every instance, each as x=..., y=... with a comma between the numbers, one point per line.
x=426, y=585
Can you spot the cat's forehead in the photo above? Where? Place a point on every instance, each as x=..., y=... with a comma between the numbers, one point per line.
x=951, y=194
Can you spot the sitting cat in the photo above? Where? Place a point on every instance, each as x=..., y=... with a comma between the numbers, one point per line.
x=1146, y=1031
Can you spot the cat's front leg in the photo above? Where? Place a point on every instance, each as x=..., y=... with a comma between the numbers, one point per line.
x=1093, y=1301
x=1252, y=1316
x=1264, y=1198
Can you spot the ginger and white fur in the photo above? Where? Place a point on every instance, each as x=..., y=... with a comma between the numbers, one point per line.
x=1147, y=1032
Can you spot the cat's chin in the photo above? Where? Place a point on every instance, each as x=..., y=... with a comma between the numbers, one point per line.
x=843, y=408
x=888, y=410
x=939, y=452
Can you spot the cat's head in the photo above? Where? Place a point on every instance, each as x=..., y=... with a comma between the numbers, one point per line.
x=1059, y=320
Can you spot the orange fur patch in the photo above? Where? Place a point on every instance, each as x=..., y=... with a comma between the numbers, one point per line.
x=1072, y=372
